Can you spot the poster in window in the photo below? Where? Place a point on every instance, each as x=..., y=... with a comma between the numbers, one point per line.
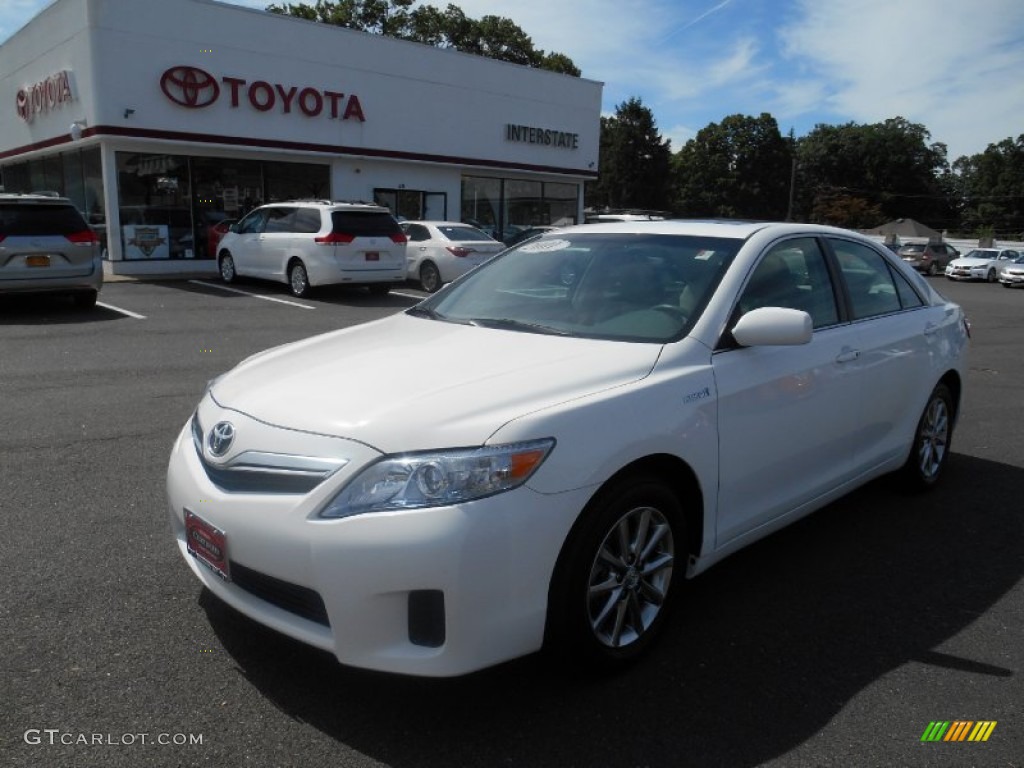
x=146, y=241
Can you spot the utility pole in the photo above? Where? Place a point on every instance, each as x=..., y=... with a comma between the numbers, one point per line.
x=792, y=191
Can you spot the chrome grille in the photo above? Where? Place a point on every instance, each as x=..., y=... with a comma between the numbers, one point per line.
x=264, y=471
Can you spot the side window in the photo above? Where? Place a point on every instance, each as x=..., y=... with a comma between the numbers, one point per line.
x=868, y=279
x=279, y=220
x=253, y=223
x=417, y=233
x=909, y=298
x=307, y=220
x=793, y=274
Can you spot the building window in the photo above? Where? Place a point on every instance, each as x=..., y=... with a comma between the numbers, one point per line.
x=178, y=207
x=503, y=207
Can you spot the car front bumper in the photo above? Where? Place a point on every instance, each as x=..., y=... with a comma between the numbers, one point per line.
x=1011, y=280
x=484, y=568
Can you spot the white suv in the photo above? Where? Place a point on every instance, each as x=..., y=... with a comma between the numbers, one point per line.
x=311, y=243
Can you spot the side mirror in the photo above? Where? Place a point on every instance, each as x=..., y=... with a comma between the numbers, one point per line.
x=773, y=327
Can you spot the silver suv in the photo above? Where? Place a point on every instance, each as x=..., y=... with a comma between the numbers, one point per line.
x=310, y=243
x=46, y=247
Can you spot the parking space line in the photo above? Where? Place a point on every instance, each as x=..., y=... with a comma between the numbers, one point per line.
x=122, y=311
x=253, y=295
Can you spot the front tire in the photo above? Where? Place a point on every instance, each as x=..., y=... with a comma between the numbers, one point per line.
x=933, y=269
x=932, y=439
x=991, y=276
x=616, y=579
x=298, y=279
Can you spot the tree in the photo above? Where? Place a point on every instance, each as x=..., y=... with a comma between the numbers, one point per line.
x=739, y=168
x=634, y=161
x=991, y=185
x=491, y=36
x=886, y=166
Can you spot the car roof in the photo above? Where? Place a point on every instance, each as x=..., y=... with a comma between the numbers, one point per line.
x=33, y=197
x=346, y=204
x=719, y=228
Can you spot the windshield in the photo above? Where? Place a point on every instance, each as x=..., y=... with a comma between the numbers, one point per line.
x=976, y=254
x=629, y=287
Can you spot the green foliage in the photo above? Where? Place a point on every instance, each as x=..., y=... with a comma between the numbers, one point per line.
x=889, y=167
x=495, y=37
x=634, y=160
x=739, y=168
x=991, y=185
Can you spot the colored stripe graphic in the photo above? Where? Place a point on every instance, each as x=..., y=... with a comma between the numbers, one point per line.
x=982, y=730
x=958, y=730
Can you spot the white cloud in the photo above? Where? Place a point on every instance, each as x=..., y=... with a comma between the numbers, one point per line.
x=956, y=67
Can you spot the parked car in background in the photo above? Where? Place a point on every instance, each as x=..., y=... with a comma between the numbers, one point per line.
x=215, y=233
x=440, y=251
x=930, y=258
x=1012, y=275
x=306, y=244
x=46, y=246
x=539, y=454
x=981, y=264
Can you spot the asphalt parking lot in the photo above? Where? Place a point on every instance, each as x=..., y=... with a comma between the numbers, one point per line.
x=833, y=643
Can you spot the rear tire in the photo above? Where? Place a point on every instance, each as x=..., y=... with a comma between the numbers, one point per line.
x=430, y=277
x=298, y=279
x=616, y=579
x=227, y=268
x=933, y=269
x=85, y=300
x=932, y=440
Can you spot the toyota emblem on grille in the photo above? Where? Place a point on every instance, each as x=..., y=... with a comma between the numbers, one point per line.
x=220, y=438
x=189, y=86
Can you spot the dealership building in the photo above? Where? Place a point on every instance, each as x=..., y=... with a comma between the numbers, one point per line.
x=163, y=120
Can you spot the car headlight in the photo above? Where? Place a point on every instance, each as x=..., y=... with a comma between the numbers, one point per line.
x=438, y=478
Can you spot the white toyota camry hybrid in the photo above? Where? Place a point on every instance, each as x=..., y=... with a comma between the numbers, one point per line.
x=538, y=454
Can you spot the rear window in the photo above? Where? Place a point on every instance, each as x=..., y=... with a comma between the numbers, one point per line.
x=365, y=223
x=463, y=234
x=914, y=248
x=39, y=219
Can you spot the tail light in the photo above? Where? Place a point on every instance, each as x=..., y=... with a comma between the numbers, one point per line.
x=458, y=250
x=335, y=238
x=400, y=237
x=85, y=237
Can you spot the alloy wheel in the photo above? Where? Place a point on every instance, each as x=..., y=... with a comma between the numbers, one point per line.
x=630, y=577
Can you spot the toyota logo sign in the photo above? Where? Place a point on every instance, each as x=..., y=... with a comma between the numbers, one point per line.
x=190, y=87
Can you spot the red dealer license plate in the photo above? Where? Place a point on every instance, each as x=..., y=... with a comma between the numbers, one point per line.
x=208, y=544
x=372, y=256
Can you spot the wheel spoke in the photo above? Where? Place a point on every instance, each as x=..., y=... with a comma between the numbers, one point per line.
x=611, y=559
x=612, y=601
x=607, y=585
x=659, y=564
x=620, y=621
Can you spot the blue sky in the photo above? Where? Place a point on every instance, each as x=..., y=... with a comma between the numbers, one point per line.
x=955, y=66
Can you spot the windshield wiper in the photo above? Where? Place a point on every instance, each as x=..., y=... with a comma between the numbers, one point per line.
x=507, y=324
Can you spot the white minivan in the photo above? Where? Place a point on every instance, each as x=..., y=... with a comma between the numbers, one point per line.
x=306, y=244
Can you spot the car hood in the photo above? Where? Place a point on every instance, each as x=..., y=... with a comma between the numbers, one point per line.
x=970, y=261
x=408, y=383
